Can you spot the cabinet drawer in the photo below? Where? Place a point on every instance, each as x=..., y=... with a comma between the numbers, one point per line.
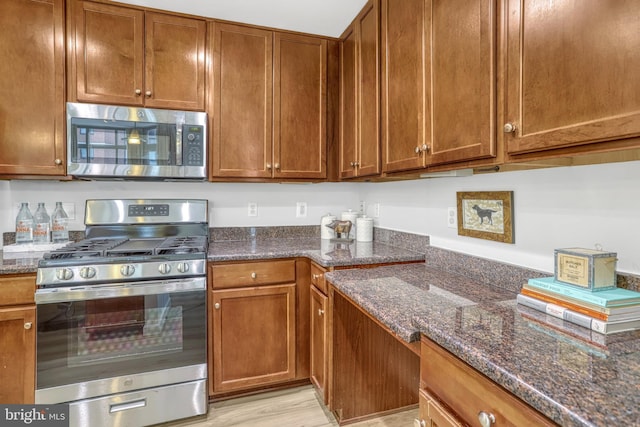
x=317, y=278
x=467, y=392
x=252, y=274
x=17, y=290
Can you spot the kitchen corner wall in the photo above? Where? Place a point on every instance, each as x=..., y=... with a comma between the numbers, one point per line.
x=580, y=206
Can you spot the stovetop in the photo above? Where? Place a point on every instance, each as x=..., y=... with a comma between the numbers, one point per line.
x=102, y=250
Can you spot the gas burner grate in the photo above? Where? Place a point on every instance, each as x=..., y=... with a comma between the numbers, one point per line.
x=85, y=248
x=182, y=245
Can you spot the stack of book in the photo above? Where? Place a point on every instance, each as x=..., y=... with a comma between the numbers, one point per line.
x=605, y=312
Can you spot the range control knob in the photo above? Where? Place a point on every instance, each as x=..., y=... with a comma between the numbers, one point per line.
x=127, y=270
x=183, y=267
x=87, y=272
x=64, y=274
x=164, y=268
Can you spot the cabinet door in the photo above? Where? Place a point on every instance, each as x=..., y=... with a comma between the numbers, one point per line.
x=369, y=91
x=109, y=53
x=254, y=336
x=404, y=105
x=434, y=414
x=17, y=355
x=174, y=62
x=32, y=87
x=462, y=88
x=242, y=102
x=348, y=102
x=300, y=106
x=319, y=341
x=572, y=73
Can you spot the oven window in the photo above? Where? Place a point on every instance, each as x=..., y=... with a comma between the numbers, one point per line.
x=123, y=142
x=89, y=340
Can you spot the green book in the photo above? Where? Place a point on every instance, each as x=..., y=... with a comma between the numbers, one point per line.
x=605, y=298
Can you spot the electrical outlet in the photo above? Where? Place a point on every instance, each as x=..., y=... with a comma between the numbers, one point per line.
x=362, y=208
x=376, y=210
x=452, y=220
x=301, y=209
x=252, y=209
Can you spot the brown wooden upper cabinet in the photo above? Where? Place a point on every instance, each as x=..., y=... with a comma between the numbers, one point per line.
x=360, y=95
x=121, y=55
x=438, y=82
x=269, y=104
x=32, y=88
x=572, y=74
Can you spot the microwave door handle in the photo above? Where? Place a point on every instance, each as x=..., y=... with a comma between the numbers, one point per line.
x=179, y=145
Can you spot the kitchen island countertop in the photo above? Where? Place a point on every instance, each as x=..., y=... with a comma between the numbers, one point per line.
x=573, y=376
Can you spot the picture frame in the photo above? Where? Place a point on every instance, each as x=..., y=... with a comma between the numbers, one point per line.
x=486, y=215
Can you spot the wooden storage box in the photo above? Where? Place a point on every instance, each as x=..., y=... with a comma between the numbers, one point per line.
x=587, y=269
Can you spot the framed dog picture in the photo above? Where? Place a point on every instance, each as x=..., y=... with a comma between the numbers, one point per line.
x=486, y=215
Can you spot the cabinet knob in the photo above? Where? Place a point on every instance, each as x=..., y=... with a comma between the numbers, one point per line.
x=268, y=166
x=320, y=312
x=277, y=165
x=419, y=423
x=57, y=162
x=254, y=275
x=317, y=276
x=417, y=150
x=486, y=419
x=424, y=148
x=353, y=164
x=216, y=306
x=138, y=92
x=509, y=128
x=28, y=325
x=148, y=94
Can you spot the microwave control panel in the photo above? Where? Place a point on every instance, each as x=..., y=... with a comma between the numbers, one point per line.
x=193, y=145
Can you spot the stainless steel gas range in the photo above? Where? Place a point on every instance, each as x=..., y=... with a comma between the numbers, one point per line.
x=121, y=315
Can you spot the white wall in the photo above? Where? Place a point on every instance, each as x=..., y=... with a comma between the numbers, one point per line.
x=228, y=201
x=555, y=208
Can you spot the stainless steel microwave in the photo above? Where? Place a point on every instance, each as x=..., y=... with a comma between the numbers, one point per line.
x=106, y=141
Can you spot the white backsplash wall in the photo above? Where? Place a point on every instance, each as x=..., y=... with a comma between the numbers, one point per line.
x=581, y=206
x=228, y=202
x=554, y=208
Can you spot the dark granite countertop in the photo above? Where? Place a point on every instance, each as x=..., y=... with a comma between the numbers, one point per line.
x=19, y=262
x=573, y=376
x=321, y=251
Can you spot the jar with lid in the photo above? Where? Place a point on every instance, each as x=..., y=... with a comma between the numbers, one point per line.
x=41, y=225
x=59, y=224
x=24, y=225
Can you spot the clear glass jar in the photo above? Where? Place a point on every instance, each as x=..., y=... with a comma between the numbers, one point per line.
x=59, y=224
x=41, y=225
x=24, y=225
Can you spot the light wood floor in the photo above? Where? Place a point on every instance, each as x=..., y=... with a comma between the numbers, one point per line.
x=297, y=407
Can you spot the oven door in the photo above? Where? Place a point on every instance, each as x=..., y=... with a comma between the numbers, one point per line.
x=105, y=339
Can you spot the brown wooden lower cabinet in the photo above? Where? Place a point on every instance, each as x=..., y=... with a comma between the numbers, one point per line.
x=17, y=339
x=371, y=371
x=318, y=340
x=258, y=326
x=454, y=394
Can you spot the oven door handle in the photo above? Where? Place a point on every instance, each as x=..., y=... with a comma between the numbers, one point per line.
x=117, y=407
x=115, y=290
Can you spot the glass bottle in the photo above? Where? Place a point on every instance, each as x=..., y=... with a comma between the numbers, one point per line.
x=59, y=224
x=24, y=225
x=41, y=225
